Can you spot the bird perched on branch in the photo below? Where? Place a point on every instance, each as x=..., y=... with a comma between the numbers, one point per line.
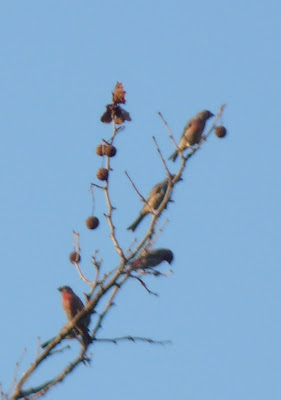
x=192, y=132
x=153, y=201
x=72, y=305
x=152, y=259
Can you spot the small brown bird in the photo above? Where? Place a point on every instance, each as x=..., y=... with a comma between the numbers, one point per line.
x=153, y=201
x=192, y=132
x=152, y=258
x=72, y=305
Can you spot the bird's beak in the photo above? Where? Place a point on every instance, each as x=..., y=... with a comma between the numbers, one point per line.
x=60, y=289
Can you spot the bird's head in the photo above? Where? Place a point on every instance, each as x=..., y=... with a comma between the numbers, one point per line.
x=65, y=289
x=205, y=114
x=169, y=256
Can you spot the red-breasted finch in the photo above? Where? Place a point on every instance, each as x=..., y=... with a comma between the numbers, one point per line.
x=72, y=305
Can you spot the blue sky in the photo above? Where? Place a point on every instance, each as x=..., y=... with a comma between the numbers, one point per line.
x=221, y=307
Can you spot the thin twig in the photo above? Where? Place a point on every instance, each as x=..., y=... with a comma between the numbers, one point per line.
x=76, y=242
x=97, y=186
x=128, y=251
x=77, y=249
x=138, y=192
x=93, y=198
x=96, y=264
x=161, y=156
x=81, y=275
x=15, y=377
x=154, y=272
x=111, y=208
x=132, y=339
x=169, y=130
x=157, y=234
x=144, y=285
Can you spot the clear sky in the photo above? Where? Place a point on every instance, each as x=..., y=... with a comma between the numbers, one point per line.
x=221, y=307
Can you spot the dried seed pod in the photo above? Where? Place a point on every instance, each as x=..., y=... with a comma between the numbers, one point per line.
x=220, y=131
x=100, y=150
x=118, y=96
x=121, y=115
x=106, y=117
x=92, y=222
x=74, y=257
x=110, y=150
x=102, y=174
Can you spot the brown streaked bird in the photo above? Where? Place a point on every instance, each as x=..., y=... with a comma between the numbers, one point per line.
x=192, y=132
x=72, y=305
x=152, y=259
x=153, y=201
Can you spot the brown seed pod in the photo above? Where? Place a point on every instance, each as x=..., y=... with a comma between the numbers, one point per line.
x=119, y=94
x=106, y=117
x=121, y=115
x=92, y=222
x=100, y=150
x=102, y=174
x=74, y=257
x=220, y=131
x=110, y=150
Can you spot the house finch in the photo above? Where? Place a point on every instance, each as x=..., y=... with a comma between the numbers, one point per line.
x=192, y=132
x=152, y=259
x=153, y=201
x=72, y=305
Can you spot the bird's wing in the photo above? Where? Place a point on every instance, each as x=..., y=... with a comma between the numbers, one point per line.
x=187, y=126
x=156, y=189
x=79, y=304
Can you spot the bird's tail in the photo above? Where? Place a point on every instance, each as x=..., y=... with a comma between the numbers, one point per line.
x=71, y=335
x=174, y=156
x=86, y=337
x=134, y=225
